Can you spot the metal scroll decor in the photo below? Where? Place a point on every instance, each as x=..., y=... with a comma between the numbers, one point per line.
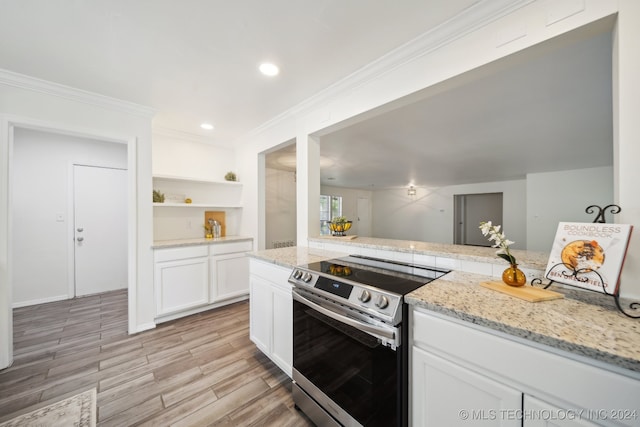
x=593, y=276
x=615, y=209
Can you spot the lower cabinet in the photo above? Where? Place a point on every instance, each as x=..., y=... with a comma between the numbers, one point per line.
x=446, y=394
x=271, y=312
x=537, y=413
x=463, y=374
x=181, y=279
x=195, y=278
x=228, y=270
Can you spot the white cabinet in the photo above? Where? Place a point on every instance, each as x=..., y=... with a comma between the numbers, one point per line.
x=229, y=270
x=459, y=366
x=203, y=193
x=195, y=278
x=542, y=414
x=181, y=279
x=446, y=394
x=271, y=312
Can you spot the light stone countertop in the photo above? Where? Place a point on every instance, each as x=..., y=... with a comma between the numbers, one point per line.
x=159, y=244
x=526, y=259
x=586, y=324
x=293, y=256
x=583, y=323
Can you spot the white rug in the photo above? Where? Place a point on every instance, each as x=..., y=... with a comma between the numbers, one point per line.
x=78, y=410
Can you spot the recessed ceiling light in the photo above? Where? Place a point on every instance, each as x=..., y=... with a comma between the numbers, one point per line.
x=207, y=126
x=269, y=69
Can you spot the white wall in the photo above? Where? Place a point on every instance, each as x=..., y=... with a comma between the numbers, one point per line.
x=280, y=207
x=453, y=50
x=563, y=196
x=41, y=192
x=190, y=157
x=428, y=216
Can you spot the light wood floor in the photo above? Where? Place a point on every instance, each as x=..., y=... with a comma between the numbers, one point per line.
x=201, y=370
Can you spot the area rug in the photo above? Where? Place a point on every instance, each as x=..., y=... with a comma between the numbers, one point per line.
x=78, y=410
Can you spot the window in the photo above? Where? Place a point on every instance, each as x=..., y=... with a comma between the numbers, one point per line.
x=330, y=207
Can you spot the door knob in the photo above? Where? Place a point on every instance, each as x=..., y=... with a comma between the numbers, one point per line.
x=80, y=239
x=80, y=229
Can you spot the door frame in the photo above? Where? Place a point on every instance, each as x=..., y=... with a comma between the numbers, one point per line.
x=460, y=215
x=8, y=124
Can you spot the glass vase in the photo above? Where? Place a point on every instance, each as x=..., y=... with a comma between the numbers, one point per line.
x=513, y=276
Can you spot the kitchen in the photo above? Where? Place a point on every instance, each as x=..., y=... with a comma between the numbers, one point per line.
x=365, y=97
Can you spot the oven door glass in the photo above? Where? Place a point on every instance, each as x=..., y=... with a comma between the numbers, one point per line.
x=349, y=366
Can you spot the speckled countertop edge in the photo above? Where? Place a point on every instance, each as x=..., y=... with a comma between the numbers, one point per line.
x=160, y=244
x=566, y=324
x=293, y=256
x=526, y=259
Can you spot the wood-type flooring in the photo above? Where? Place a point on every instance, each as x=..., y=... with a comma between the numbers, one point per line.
x=201, y=370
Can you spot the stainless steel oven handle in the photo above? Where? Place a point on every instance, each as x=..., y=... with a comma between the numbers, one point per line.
x=361, y=326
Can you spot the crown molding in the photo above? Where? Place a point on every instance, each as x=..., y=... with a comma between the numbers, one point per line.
x=184, y=135
x=9, y=78
x=471, y=19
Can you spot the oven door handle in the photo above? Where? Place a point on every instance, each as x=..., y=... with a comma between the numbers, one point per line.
x=382, y=333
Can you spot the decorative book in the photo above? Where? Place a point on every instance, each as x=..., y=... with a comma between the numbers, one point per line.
x=589, y=255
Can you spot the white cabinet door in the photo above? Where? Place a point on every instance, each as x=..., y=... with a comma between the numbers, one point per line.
x=446, y=394
x=181, y=284
x=282, y=349
x=538, y=413
x=260, y=313
x=271, y=312
x=229, y=276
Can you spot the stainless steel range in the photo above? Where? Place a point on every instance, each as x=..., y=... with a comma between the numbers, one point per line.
x=350, y=358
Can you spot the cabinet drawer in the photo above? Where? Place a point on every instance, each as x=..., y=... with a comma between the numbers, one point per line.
x=230, y=247
x=173, y=254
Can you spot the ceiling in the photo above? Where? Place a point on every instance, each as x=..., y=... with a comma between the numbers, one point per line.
x=546, y=109
x=196, y=61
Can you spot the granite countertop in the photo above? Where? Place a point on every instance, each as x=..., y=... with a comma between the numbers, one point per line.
x=526, y=259
x=584, y=323
x=293, y=256
x=159, y=244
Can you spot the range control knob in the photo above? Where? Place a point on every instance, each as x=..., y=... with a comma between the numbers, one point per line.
x=297, y=274
x=382, y=302
x=364, y=296
x=307, y=277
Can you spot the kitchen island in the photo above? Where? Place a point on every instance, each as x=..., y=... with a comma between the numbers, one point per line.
x=574, y=353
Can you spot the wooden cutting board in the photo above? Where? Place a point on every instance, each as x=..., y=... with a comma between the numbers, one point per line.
x=218, y=216
x=527, y=293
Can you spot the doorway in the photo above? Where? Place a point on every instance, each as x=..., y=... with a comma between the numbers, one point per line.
x=471, y=209
x=54, y=216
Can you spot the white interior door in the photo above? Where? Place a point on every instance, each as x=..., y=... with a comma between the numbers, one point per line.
x=100, y=229
x=364, y=217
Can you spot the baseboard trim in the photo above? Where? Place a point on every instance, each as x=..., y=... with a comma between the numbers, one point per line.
x=39, y=301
